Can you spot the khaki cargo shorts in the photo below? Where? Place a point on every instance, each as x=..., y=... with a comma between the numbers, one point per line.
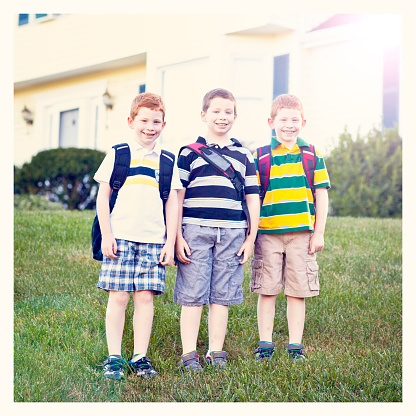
x=283, y=260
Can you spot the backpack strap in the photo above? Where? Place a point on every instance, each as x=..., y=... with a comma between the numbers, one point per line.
x=120, y=170
x=166, y=164
x=117, y=179
x=223, y=166
x=308, y=156
x=264, y=159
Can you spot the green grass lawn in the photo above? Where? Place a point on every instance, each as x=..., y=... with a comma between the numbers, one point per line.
x=353, y=330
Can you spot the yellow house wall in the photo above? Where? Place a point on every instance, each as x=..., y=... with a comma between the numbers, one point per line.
x=338, y=77
x=122, y=84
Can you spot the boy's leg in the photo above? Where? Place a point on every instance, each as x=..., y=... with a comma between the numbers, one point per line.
x=295, y=318
x=217, y=326
x=114, y=320
x=142, y=320
x=265, y=316
x=190, y=321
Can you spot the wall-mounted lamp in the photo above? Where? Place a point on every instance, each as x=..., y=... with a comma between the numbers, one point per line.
x=27, y=115
x=107, y=100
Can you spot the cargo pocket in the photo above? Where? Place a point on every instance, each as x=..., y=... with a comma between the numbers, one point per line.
x=256, y=273
x=312, y=269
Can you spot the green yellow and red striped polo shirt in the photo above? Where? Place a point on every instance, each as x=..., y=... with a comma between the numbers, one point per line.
x=288, y=203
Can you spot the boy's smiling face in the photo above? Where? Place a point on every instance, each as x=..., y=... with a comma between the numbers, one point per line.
x=147, y=126
x=219, y=116
x=287, y=124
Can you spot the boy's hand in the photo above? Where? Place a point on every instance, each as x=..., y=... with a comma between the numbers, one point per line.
x=167, y=254
x=317, y=243
x=247, y=250
x=109, y=246
x=182, y=249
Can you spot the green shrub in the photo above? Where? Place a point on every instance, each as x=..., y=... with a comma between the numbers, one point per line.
x=62, y=175
x=30, y=202
x=366, y=175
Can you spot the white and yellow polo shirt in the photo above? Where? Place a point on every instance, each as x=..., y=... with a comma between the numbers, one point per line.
x=138, y=212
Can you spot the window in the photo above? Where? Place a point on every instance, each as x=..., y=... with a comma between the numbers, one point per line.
x=142, y=88
x=25, y=19
x=68, y=128
x=280, y=75
x=391, y=74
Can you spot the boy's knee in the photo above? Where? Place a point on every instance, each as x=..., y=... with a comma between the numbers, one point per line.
x=119, y=299
x=143, y=296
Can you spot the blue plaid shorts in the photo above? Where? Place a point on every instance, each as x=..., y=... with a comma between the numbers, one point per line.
x=136, y=268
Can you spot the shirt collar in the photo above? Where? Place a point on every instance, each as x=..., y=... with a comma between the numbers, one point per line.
x=202, y=140
x=137, y=146
x=274, y=142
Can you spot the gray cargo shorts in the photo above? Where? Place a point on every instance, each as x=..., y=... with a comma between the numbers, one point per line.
x=215, y=274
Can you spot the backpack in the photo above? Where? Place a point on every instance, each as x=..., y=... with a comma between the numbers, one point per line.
x=264, y=158
x=117, y=179
x=223, y=166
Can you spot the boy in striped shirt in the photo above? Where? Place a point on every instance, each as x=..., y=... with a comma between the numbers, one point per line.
x=213, y=242
x=291, y=230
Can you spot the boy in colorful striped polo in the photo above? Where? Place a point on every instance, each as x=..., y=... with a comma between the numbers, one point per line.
x=136, y=244
x=291, y=230
x=213, y=242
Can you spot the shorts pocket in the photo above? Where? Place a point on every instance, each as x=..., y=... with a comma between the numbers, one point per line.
x=312, y=270
x=256, y=273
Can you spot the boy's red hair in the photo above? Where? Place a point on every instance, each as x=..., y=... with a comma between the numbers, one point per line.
x=148, y=100
x=286, y=101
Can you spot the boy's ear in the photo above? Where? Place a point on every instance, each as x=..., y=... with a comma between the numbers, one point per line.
x=271, y=121
x=130, y=122
x=303, y=123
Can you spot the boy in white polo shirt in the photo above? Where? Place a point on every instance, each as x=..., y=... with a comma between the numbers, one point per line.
x=136, y=244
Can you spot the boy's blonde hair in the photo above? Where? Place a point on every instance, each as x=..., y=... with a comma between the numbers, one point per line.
x=218, y=92
x=148, y=100
x=286, y=101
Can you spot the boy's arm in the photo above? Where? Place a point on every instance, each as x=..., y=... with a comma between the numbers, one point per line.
x=317, y=240
x=181, y=248
x=171, y=211
x=108, y=243
x=253, y=205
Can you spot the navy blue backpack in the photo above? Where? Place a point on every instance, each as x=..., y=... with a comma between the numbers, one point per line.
x=118, y=177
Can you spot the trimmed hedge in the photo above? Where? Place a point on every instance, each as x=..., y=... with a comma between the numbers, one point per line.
x=63, y=175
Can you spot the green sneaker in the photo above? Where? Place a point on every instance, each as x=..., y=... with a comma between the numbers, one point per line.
x=295, y=352
x=114, y=368
x=190, y=362
x=143, y=368
x=216, y=358
x=264, y=351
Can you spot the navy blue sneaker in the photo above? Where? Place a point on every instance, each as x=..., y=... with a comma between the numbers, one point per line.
x=114, y=368
x=264, y=351
x=143, y=368
x=295, y=352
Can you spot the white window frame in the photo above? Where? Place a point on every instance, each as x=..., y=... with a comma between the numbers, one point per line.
x=87, y=98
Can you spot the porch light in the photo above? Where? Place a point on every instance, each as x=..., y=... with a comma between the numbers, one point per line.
x=27, y=115
x=107, y=100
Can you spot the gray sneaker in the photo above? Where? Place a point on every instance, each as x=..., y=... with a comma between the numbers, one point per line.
x=216, y=358
x=190, y=362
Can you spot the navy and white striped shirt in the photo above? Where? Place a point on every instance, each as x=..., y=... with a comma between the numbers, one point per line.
x=211, y=199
